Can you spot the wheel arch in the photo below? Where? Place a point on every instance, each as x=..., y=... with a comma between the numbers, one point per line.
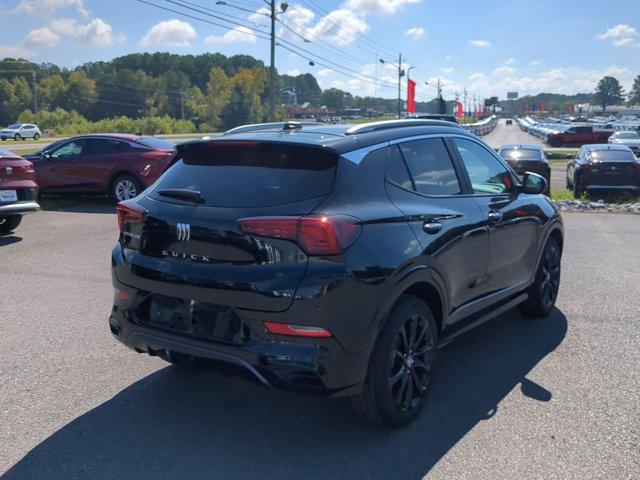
x=120, y=173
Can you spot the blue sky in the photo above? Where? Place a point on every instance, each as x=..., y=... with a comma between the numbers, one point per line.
x=488, y=47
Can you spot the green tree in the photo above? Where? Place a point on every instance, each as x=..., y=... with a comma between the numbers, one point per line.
x=219, y=91
x=634, y=95
x=51, y=91
x=81, y=92
x=608, y=92
x=336, y=99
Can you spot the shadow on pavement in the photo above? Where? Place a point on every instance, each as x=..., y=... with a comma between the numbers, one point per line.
x=176, y=423
x=77, y=204
x=9, y=239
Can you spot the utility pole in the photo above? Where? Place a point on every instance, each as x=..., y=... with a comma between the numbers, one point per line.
x=272, y=68
x=182, y=104
x=465, y=101
x=399, y=85
x=35, y=93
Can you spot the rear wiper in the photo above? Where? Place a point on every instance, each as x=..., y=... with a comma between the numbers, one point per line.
x=193, y=196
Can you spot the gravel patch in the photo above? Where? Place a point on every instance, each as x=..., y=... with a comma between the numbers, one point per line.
x=596, y=206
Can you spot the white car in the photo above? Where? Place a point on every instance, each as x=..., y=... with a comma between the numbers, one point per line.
x=20, y=131
x=628, y=138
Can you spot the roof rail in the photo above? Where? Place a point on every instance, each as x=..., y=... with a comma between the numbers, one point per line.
x=256, y=127
x=387, y=124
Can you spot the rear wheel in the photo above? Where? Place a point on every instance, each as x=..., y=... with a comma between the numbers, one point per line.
x=125, y=187
x=577, y=191
x=8, y=224
x=544, y=290
x=400, y=370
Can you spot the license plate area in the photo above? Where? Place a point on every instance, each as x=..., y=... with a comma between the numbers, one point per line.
x=8, y=196
x=201, y=321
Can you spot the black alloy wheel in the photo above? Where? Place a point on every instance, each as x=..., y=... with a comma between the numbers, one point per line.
x=544, y=290
x=411, y=363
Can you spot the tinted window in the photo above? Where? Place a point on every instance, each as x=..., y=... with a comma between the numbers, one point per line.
x=521, y=154
x=627, y=135
x=397, y=170
x=430, y=167
x=102, y=146
x=75, y=147
x=612, y=156
x=156, y=143
x=14, y=126
x=485, y=171
x=251, y=174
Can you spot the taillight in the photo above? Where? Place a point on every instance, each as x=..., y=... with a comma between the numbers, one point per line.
x=129, y=214
x=315, y=234
x=297, y=330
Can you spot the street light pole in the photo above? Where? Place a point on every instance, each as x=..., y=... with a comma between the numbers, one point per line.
x=399, y=85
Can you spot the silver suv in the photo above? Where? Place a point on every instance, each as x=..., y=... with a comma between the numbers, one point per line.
x=629, y=138
x=20, y=131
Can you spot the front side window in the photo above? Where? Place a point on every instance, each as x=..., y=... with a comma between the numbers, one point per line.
x=102, y=146
x=487, y=174
x=69, y=149
x=430, y=167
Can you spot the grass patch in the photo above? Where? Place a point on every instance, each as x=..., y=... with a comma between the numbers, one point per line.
x=26, y=151
x=562, y=194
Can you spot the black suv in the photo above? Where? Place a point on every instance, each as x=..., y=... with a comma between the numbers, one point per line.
x=332, y=259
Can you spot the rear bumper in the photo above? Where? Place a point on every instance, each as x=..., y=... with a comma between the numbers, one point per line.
x=19, y=208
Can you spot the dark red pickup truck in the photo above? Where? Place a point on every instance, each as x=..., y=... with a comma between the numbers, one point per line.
x=579, y=135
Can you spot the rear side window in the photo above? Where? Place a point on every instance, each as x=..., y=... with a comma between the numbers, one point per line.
x=612, y=156
x=430, y=167
x=397, y=170
x=102, y=146
x=240, y=174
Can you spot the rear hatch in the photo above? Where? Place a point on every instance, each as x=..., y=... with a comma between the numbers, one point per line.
x=16, y=175
x=190, y=245
x=615, y=168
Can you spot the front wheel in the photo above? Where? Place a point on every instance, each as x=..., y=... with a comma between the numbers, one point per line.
x=9, y=224
x=544, y=290
x=17, y=137
x=399, y=376
x=125, y=187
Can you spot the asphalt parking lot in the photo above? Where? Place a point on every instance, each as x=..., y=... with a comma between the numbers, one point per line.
x=553, y=398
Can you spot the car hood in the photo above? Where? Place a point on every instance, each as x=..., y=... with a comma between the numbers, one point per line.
x=8, y=130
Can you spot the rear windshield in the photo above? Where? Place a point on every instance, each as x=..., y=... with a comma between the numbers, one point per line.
x=612, y=156
x=154, y=142
x=521, y=154
x=628, y=135
x=241, y=174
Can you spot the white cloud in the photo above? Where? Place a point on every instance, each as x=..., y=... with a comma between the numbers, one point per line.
x=42, y=37
x=96, y=32
x=534, y=63
x=238, y=34
x=415, y=32
x=46, y=8
x=294, y=72
x=16, y=51
x=504, y=71
x=477, y=77
x=448, y=58
x=447, y=69
x=339, y=27
x=480, y=43
x=621, y=35
x=169, y=33
x=325, y=72
x=511, y=61
x=383, y=7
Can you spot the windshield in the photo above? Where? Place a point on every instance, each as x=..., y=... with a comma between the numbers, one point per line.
x=522, y=154
x=612, y=156
x=628, y=136
x=154, y=142
x=251, y=174
x=15, y=126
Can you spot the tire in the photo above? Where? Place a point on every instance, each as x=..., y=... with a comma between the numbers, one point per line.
x=186, y=361
x=577, y=191
x=399, y=378
x=9, y=224
x=4, y=139
x=568, y=183
x=125, y=187
x=544, y=290
x=36, y=137
x=17, y=137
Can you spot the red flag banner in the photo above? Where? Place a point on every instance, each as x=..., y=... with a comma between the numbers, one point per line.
x=411, y=96
x=459, y=110
x=541, y=107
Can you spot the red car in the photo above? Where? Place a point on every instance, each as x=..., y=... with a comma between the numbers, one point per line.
x=121, y=165
x=578, y=135
x=18, y=190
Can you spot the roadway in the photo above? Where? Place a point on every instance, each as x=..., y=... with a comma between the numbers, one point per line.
x=517, y=398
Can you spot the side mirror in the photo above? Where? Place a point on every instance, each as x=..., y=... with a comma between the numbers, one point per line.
x=533, y=184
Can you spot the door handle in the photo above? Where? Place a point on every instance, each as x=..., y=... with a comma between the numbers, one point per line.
x=432, y=227
x=495, y=215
